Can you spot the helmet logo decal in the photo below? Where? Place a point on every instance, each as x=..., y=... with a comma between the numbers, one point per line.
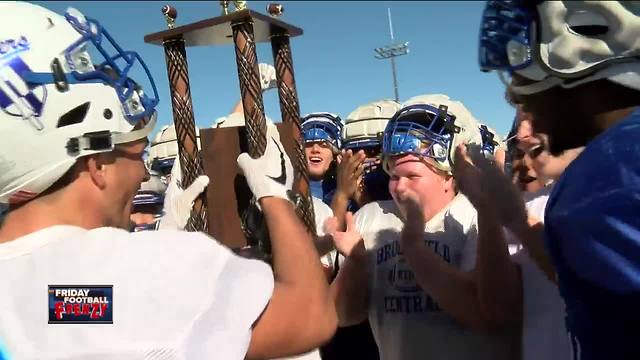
x=11, y=46
x=17, y=97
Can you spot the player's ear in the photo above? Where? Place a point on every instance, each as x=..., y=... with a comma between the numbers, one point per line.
x=95, y=166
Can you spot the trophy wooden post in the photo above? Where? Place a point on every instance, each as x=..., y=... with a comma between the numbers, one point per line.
x=228, y=195
x=250, y=90
x=290, y=110
x=189, y=156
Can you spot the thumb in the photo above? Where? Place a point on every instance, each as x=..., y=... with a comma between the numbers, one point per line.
x=244, y=160
x=195, y=189
x=351, y=224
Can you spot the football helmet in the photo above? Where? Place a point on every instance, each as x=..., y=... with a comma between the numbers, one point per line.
x=150, y=199
x=430, y=126
x=65, y=92
x=363, y=130
x=561, y=43
x=163, y=150
x=322, y=126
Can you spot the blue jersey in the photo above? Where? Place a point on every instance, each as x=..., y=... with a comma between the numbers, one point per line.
x=592, y=231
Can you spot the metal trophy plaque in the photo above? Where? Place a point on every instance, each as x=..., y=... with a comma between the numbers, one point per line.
x=227, y=198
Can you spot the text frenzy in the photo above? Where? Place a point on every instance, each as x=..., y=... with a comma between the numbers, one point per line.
x=95, y=310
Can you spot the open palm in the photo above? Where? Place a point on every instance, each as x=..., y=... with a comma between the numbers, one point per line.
x=349, y=242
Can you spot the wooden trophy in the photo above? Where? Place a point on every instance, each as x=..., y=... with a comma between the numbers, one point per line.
x=228, y=196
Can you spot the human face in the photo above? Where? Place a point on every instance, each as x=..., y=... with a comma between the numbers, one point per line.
x=433, y=187
x=319, y=157
x=128, y=171
x=547, y=167
x=557, y=113
x=145, y=214
x=534, y=146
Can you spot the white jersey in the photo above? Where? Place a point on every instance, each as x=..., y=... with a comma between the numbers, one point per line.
x=544, y=334
x=176, y=295
x=407, y=323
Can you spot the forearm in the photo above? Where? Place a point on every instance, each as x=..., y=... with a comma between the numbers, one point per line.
x=324, y=245
x=339, y=206
x=454, y=290
x=531, y=235
x=301, y=314
x=498, y=278
x=350, y=291
x=295, y=259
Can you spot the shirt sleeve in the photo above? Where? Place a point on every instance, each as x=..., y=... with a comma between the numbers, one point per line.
x=600, y=240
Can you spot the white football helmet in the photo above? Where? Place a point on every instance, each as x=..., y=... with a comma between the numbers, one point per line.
x=163, y=150
x=562, y=43
x=65, y=92
x=365, y=125
x=430, y=126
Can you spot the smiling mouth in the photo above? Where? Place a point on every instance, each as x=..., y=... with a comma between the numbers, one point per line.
x=315, y=160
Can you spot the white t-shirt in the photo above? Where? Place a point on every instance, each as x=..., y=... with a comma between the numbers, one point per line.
x=323, y=212
x=544, y=333
x=407, y=323
x=176, y=295
x=535, y=203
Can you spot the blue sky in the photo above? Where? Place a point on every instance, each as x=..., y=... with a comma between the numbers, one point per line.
x=333, y=60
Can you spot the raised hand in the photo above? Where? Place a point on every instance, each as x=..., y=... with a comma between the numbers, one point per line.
x=178, y=202
x=488, y=188
x=349, y=242
x=272, y=173
x=349, y=173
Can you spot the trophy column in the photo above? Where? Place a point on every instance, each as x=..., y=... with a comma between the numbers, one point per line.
x=190, y=160
x=250, y=91
x=290, y=110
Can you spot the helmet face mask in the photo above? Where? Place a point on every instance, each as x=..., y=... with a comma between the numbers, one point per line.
x=489, y=144
x=322, y=127
x=506, y=36
x=113, y=71
x=422, y=130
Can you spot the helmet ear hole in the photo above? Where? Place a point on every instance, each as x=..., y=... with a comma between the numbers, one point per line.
x=74, y=116
x=587, y=23
x=590, y=30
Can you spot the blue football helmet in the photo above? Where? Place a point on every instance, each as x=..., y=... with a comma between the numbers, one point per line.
x=322, y=126
x=421, y=130
x=430, y=126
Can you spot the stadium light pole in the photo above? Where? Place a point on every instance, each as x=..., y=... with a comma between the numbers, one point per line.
x=391, y=52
